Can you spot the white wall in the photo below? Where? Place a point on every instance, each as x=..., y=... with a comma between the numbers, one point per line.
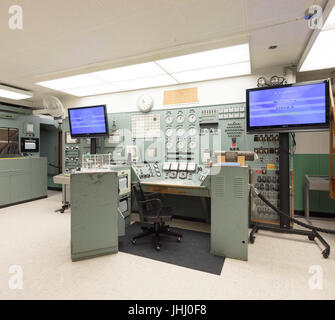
x=230, y=90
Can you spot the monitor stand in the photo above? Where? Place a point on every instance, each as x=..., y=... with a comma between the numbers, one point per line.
x=285, y=223
x=93, y=149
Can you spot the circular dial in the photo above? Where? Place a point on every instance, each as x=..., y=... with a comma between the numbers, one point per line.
x=192, y=144
x=180, y=132
x=192, y=118
x=168, y=120
x=192, y=131
x=169, y=145
x=180, y=118
x=145, y=103
x=169, y=132
x=180, y=145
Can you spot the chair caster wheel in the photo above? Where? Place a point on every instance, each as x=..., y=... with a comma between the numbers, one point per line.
x=133, y=241
x=158, y=248
x=325, y=254
x=179, y=239
x=311, y=238
x=61, y=211
x=252, y=240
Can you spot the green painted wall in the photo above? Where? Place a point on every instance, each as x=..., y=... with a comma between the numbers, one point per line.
x=311, y=164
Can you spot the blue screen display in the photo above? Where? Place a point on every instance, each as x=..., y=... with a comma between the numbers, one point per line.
x=296, y=105
x=88, y=120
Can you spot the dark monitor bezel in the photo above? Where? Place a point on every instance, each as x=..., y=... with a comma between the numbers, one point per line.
x=291, y=127
x=89, y=135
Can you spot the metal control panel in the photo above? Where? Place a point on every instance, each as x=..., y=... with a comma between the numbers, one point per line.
x=72, y=158
x=188, y=138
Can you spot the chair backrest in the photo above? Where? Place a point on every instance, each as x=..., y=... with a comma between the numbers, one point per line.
x=139, y=196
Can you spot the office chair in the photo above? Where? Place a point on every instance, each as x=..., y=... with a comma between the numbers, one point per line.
x=152, y=212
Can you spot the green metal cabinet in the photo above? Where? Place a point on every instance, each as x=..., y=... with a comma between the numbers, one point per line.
x=22, y=180
x=94, y=214
x=229, y=212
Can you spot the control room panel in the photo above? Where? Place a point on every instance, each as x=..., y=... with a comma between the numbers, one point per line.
x=175, y=146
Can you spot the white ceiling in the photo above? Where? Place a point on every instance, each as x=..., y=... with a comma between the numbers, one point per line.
x=64, y=35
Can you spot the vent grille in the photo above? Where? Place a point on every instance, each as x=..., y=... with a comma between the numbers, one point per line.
x=238, y=187
x=219, y=187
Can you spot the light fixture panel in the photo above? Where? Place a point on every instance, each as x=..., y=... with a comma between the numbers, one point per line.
x=149, y=82
x=136, y=71
x=78, y=81
x=206, y=59
x=232, y=70
x=321, y=55
x=14, y=93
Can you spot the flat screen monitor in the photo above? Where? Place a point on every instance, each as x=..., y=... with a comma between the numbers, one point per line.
x=288, y=108
x=29, y=144
x=88, y=121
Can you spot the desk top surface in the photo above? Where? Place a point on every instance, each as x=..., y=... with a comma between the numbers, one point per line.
x=317, y=182
x=173, y=183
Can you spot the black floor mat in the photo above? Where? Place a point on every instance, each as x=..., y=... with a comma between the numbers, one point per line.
x=192, y=252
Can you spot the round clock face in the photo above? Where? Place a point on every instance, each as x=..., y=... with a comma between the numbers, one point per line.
x=180, y=119
x=192, y=131
x=145, y=103
x=180, y=132
x=192, y=118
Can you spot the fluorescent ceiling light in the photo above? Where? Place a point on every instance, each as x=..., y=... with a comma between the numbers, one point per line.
x=206, y=59
x=232, y=70
x=158, y=81
x=136, y=71
x=13, y=93
x=321, y=54
x=79, y=81
x=93, y=90
x=330, y=23
x=213, y=64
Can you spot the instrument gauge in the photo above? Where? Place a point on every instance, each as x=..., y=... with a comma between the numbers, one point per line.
x=180, y=132
x=169, y=145
x=192, y=145
x=180, y=145
x=168, y=120
x=180, y=118
x=192, y=118
x=169, y=132
x=192, y=131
